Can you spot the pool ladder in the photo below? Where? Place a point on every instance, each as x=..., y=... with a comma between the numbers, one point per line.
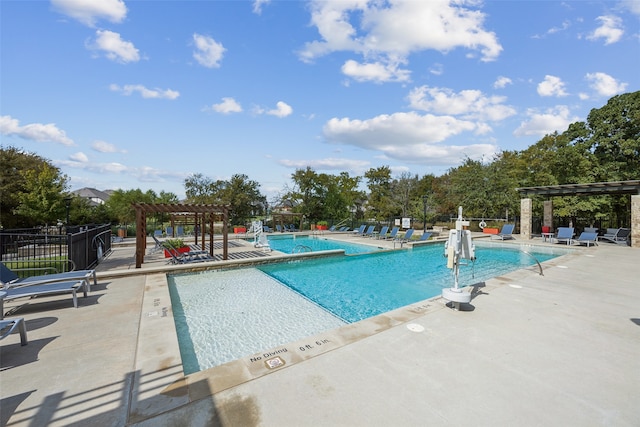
x=301, y=248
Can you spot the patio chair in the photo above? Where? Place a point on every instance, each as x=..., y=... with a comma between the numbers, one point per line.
x=506, y=233
x=619, y=236
x=10, y=279
x=360, y=231
x=189, y=257
x=565, y=234
x=30, y=291
x=407, y=236
x=393, y=234
x=369, y=232
x=383, y=232
x=8, y=326
x=586, y=238
x=424, y=237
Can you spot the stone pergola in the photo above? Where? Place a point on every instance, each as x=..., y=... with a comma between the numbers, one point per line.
x=592, y=189
x=203, y=214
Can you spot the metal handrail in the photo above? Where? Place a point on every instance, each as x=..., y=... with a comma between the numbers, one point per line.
x=301, y=248
x=535, y=259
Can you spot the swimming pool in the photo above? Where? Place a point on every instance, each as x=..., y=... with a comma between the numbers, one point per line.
x=224, y=315
x=294, y=243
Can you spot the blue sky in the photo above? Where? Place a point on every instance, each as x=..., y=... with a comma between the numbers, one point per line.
x=141, y=94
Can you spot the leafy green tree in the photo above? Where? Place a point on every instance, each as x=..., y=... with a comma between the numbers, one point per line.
x=615, y=137
x=200, y=189
x=24, y=173
x=380, y=203
x=121, y=202
x=306, y=194
x=42, y=199
x=240, y=193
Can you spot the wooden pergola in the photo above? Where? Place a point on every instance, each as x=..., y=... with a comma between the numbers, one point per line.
x=203, y=214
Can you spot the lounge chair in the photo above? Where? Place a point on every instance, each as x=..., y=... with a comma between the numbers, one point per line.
x=360, y=231
x=158, y=244
x=586, y=238
x=407, y=236
x=279, y=228
x=618, y=236
x=506, y=233
x=30, y=291
x=10, y=279
x=424, y=237
x=369, y=232
x=393, y=234
x=383, y=232
x=565, y=234
x=8, y=326
x=267, y=229
x=189, y=257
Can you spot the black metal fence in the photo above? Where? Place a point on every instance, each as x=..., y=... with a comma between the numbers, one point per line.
x=46, y=250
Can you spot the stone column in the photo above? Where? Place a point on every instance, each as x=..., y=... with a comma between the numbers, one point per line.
x=547, y=216
x=525, y=218
x=635, y=220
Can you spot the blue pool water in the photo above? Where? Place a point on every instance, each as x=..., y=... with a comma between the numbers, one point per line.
x=289, y=243
x=224, y=315
x=357, y=287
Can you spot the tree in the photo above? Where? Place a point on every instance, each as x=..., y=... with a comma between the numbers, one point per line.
x=615, y=137
x=42, y=200
x=380, y=204
x=23, y=173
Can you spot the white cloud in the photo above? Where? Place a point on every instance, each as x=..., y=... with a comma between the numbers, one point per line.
x=632, y=5
x=390, y=31
x=144, y=92
x=89, y=11
x=437, y=69
x=469, y=104
x=604, y=84
x=258, y=4
x=611, y=29
x=409, y=137
x=375, y=71
x=502, y=82
x=331, y=163
x=208, y=52
x=551, y=86
x=228, y=105
x=114, y=47
x=543, y=123
x=282, y=110
x=142, y=174
x=105, y=147
x=34, y=131
x=79, y=157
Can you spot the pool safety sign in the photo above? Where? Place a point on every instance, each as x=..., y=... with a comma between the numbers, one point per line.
x=406, y=222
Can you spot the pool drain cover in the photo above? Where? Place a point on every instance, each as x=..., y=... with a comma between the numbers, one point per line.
x=414, y=327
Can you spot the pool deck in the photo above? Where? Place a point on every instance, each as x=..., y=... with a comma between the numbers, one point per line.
x=555, y=350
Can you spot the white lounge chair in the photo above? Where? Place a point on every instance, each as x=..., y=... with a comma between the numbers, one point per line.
x=8, y=326
x=30, y=291
x=9, y=278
